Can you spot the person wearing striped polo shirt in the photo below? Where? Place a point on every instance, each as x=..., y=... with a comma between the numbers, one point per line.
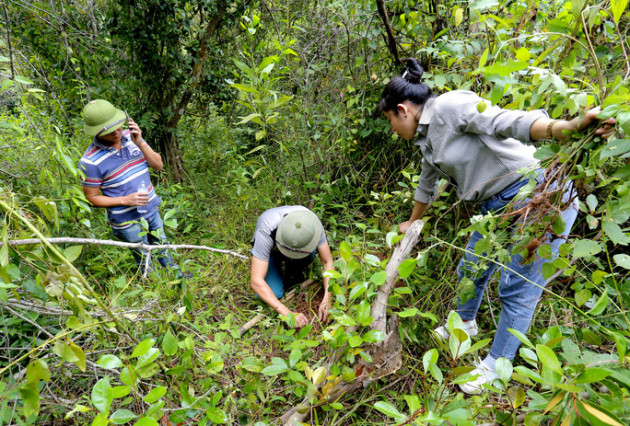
x=116, y=164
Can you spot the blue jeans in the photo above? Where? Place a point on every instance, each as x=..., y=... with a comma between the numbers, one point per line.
x=284, y=273
x=521, y=285
x=132, y=235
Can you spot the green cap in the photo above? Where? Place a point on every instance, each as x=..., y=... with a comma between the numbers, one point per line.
x=298, y=234
x=102, y=118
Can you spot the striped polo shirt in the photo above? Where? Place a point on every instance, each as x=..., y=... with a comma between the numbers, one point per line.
x=118, y=173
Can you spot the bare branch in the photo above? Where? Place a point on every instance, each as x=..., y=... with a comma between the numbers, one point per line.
x=146, y=247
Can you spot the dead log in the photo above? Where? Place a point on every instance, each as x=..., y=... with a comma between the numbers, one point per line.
x=386, y=355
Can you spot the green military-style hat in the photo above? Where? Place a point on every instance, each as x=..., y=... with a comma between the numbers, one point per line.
x=102, y=118
x=298, y=234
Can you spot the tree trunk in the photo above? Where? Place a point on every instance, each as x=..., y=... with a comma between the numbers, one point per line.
x=167, y=137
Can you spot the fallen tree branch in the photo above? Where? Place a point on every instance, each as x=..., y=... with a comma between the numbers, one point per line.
x=91, y=241
x=386, y=355
x=249, y=324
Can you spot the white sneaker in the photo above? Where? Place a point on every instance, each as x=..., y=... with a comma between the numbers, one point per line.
x=470, y=327
x=485, y=375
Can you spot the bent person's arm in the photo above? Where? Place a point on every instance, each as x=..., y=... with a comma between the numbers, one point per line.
x=94, y=196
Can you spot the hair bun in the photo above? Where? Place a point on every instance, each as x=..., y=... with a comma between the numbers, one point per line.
x=413, y=72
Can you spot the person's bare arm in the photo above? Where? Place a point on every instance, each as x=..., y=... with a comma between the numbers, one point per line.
x=261, y=288
x=326, y=257
x=95, y=198
x=419, y=209
x=538, y=130
x=154, y=160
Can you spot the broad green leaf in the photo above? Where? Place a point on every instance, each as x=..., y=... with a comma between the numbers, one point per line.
x=170, y=344
x=100, y=420
x=274, y=369
x=598, y=412
x=345, y=251
x=318, y=375
x=373, y=336
x=591, y=202
x=120, y=391
x=30, y=398
x=147, y=358
x=255, y=117
x=216, y=415
x=37, y=370
x=72, y=253
x=109, y=362
x=517, y=396
x=294, y=357
x=252, y=364
x=615, y=148
x=146, y=421
x=377, y=278
x=429, y=358
x=600, y=305
x=22, y=80
x=355, y=341
x=155, y=394
x=390, y=411
x=615, y=233
x=142, y=348
x=618, y=7
x=372, y=260
x=244, y=88
x=504, y=369
x=586, y=248
x=408, y=313
x=483, y=59
x=406, y=267
x=592, y=375
x=102, y=395
x=548, y=358
x=363, y=316
x=122, y=416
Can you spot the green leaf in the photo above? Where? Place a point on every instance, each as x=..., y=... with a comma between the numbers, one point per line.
x=406, y=267
x=615, y=233
x=252, y=364
x=408, y=313
x=377, y=278
x=170, y=344
x=592, y=375
x=147, y=358
x=30, y=398
x=72, y=253
x=548, y=358
x=100, y=420
x=122, y=416
x=391, y=411
x=255, y=117
x=22, y=80
x=373, y=336
x=102, y=395
x=155, y=394
x=622, y=260
x=142, y=348
x=274, y=369
x=615, y=148
x=355, y=341
x=109, y=362
x=363, y=316
x=37, y=370
x=591, y=202
x=586, y=248
x=294, y=357
x=618, y=7
x=430, y=358
x=345, y=251
x=120, y=391
x=504, y=369
x=600, y=305
x=216, y=415
x=146, y=421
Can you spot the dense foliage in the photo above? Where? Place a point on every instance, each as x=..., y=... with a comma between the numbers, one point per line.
x=262, y=103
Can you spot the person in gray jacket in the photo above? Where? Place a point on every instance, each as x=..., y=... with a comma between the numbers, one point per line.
x=480, y=149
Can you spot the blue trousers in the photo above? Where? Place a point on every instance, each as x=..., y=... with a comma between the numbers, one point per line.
x=521, y=285
x=284, y=273
x=132, y=235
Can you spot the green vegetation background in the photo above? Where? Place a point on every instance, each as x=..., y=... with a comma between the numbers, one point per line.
x=263, y=103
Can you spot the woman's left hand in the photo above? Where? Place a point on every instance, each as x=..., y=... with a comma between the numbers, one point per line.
x=607, y=125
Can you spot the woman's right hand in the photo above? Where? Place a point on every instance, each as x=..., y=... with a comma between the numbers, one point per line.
x=404, y=226
x=137, y=199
